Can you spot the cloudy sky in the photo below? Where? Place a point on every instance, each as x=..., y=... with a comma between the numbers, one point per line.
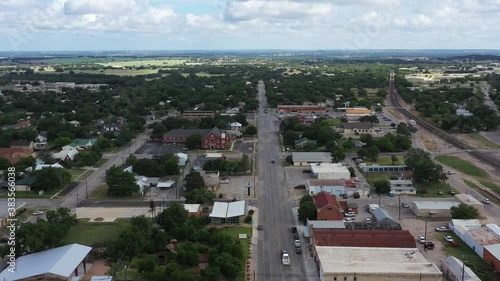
x=58, y=25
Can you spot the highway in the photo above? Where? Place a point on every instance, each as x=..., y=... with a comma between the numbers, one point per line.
x=275, y=210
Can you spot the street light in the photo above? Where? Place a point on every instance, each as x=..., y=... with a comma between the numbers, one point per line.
x=86, y=189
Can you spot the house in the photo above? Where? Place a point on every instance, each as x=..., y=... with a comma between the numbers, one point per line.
x=197, y=114
x=303, y=142
x=231, y=112
x=141, y=181
x=201, y=160
x=193, y=209
x=67, y=154
x=82, y=143
x=42, y=166
x=307, y=158
x=166, y=184
x=491, y=255
x=433, y=209
x=22, y=124
x=463, y=112
x=352, y=263
x=111, y=127
x=211, y=138
x=335, y=187
x=478, y=238
x=183, y=158
x=75, y=123
x=24, y=144
x=235, y=126
x=5, y=214
x=381, y=215
x=471, y=201
x=327, y=206
x=356, y=128
x=402, y=187
x=331, y=171
x=229, y=212
x=455, y=270
x=13, y=155
x=41, y=140
x=58, y=264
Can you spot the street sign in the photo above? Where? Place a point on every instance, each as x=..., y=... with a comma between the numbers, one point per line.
x=249, y=184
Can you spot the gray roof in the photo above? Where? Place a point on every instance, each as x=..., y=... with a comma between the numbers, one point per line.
x=101, y=278
x=312, y=156
x=401, y=182
x=187, y=132
x=60, y=261
x=357, y=125
x=456, y=267
x=385, y=225
x=323, y=225
x=381, y=214
x=402, y=187
x=229, y=209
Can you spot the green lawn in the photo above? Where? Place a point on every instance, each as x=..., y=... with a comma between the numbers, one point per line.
x=32, y=195
x=333, y=122
x=101, y=162
x=386, y=160
x=80, y=174
x=101, y=193
x=490, y=185
x=484, y=141
x=432, y=189
x=472, y=260
x=95, y=233
x=234, y=231
x=461, y=165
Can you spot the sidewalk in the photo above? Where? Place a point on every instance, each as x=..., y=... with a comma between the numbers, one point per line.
x=309, y=262
x=252, y=261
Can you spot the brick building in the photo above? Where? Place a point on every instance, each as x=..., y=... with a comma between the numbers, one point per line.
x=328, y=208
x=211, y=138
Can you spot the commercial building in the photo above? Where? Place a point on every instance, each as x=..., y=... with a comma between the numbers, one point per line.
x=381, y=215
x=311, y=109
x=363, y=238
x=356, y=128
x=328, y=208
x=455, y=270
x=478, y=238
x=229, y=212
x=374, y=264
x=332, y=171
x=211, y=138
x=335, y=187
x=460, y=227
x=491, y=255
x=312, y=225
x=307, y=158
x=58, y=264
x=433, y=209
x=353, y=114
x=197, y=114
x=471, y=201
x=402, y=187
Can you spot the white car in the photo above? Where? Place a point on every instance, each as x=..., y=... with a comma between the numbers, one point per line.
x=37, y=213
x=451, y=172
x=486, y=201
x=448, y=238
x=421, y=239
x=442, y=228
x=368, y=220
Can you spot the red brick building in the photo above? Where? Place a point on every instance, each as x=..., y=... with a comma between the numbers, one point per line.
x=364, y=238
x=491, y=255
x=211, y=138
x=328, y=208
x=315, y=109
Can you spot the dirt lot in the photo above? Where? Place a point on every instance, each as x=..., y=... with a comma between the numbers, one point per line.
x=109, y=214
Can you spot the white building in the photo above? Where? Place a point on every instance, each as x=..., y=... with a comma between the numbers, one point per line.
x=229, y=212
x=41, y=166
x=183, y=157
x=68, y=153
x=330, y=171
x=433, y=209
x=481, y=237
x=402, y=187
x=334, y=187
x=307, y=158
x=370, y=264
x=455, y=270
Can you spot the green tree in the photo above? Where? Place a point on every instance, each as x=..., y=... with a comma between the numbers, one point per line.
x=131, y=160
x=86, y=158
x=382, y=186
x=62, y=141
x=352, y=172
x=464, y=212
x=406, y=129
x=51, y=178
x=187, y=255
x=414, y=156
x=194, y=180
x=121, y=183
x=62, y=216
x=338, y=153
x=147, y=263
x=200, y=195
x=251, y=130
x=174, y=216
x=244, y=163
x=307, y=209
x=394, y=159
x=211, y=273
x=372, y=152
x=427, y=171
x=158, y=131
x=194, y=141
x=103, y=143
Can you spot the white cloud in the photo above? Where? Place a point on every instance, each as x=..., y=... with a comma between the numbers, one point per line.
x=82, y=7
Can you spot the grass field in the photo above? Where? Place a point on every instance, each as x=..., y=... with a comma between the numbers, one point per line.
x=95, y=233
x=386, y=160
x=333, y=122
x=484, y=141
x=202, y=74
x=27, y=195
x=472, y=260
x=432, y=189
x=101, y=193
x=490, y=185
x=80, y=174
x=101, y=162
x=234, y=231
x=461, y=165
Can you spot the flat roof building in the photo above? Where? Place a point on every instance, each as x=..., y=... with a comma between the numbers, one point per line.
x=373, y=264
x=471, y=201
x=455, y=270
x=228, y=212
x=306, y=158
x=332, y=171
x=433, y=209
x=478, y=238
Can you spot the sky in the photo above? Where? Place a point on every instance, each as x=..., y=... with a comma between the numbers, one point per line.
x=74, y=25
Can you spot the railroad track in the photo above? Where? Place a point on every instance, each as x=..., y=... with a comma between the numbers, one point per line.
x=481, y=156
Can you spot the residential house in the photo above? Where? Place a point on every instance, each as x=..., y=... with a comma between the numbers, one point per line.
x=356, y=128
x=183, y=158
x=463, y=112
x=111, y=127
x=57, y=264
x=229, y=212
x=231, y=112
x=455, y=270
x=82, y=143
x=75, y=123
x=328, y=208
x=381, y=215
x=402, y=187
x=25, y=184
x=235, y=126
x=42, y=166
x=24, y=144
x=41, y=141
x=22, y=124
x=303, y=142
x=67, y=154
x=13, y=155
x=307, y=158
x=166, y=184
x=335, y=187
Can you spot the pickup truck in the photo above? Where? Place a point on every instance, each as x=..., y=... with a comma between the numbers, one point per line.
x=285, y=258
x=442, y=229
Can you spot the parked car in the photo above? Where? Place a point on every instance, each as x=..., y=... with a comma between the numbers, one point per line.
x=345, y=196
x=349, y=215
x=405, y=205
x=454, y=244
x=448, y=238
x=260, y=227
x=306, y=171
x=37, y=213
x=368, y=220
x=429, y=246
x=442, y=229
x=272, y=161
x=298, y=250
x=440, y=192
x=486, y=201
x=452, y=192
x=421, y=239
x=356, y=195
x=297, y=243
x=451, y=172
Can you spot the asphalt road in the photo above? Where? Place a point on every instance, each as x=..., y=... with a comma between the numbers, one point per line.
x=275, y=210
x=98, y=177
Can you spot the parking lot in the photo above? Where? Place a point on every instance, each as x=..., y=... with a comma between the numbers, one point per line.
x=158, y=148
x=295, y=175
x=236, y=188
x=243, y=146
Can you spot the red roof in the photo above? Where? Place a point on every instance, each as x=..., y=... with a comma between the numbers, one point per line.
x=365, y=238
x=323, y=199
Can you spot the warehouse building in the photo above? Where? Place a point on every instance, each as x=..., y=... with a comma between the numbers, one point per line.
x=307, y=158
x=433, y=209
x=332, y=171
x=374, y=264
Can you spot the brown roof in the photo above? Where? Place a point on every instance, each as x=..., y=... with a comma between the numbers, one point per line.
x=20, y=143
x=13, y=154
x=326, y=182
x=323, y=199
x=365, y=238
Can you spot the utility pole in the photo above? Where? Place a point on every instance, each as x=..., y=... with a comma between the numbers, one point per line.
x=86, y=189
x=379, y=200
x=463, y=267
x=425, y=232
x=399, y=206
x=77, y=203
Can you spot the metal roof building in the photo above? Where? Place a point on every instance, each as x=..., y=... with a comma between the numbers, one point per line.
x=228, y=212
x=306, y=158
x=324, y=225
x=491, y=255
x=453, y=269
x=55, y=264
x=433, y=209
x=381, y=215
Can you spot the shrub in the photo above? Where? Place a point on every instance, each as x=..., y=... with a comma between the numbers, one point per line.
x=248, y=219
x=251, y=212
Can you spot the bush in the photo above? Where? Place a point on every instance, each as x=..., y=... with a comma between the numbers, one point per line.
x=248, y=219
x=251, y=212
